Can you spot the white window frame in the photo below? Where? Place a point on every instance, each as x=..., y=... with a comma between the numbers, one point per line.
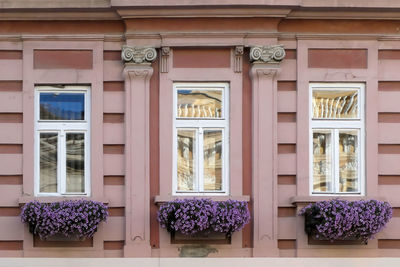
x=337, y=124
x=62, y=127
x=199, y=124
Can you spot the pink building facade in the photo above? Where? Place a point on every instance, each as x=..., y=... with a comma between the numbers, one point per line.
x=304, y=108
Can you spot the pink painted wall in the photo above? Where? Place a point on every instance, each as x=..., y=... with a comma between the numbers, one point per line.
x=279, y=127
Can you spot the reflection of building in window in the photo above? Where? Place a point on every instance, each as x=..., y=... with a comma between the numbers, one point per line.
x=337, y=128
x=201, y=121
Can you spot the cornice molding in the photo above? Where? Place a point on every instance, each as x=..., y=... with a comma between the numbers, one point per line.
x=138, y=55
x=267, y=54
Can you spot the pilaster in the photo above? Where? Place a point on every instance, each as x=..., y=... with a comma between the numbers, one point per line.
x=264, y=128
x=137, y=73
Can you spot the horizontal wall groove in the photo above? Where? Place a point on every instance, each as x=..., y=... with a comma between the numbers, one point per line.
x=287, y=243
x=389, y=54
x=112, y=55
x=10, y=54
x=114, y=86
x=113, y=117
x=10, y=86
x=10, y=149
x=116, y=211
x=11, y=245
x=287, y=179
x=287, y=86
x=114, y=180
x=389, y=117
x=389, y=149
x=286, y=211
x=10, y=211
x=389, y=179
x=113, y=149
x=389, y=243
x=10, y=179
x=389, y=86
x=114, y=245
x=286, y=148
x=11, y=118
x=287, y=117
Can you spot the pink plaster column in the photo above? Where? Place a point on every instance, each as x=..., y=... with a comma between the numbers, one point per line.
x=264, y=83
x=137, y=75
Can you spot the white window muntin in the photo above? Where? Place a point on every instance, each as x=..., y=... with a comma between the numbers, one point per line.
x=335, y=125
x=200, y=125
x=62, y=128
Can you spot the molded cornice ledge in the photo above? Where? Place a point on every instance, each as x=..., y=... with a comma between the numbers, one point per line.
x=138, y=55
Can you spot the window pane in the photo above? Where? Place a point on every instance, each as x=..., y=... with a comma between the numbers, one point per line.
x=186, y=160
x=62, y=106
x=335, y=104
x=48, y=162
x=212, y=160
x=348, y=161
x=75, y=162
x=199, y=104
x=322, y=161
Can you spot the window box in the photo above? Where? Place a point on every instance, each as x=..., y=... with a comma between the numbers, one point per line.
x=73, y=219
x=341, y=220
x=203, y=218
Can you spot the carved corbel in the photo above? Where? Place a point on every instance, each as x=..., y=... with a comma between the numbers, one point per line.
x=165, y=51
x=138, y=55
x=267, y=54
x=238, y=59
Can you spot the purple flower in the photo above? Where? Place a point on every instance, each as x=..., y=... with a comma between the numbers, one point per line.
x=191, y=216
x=340, y=219
x=78, y=218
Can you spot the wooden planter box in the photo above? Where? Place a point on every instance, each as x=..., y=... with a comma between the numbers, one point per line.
x=200, y=238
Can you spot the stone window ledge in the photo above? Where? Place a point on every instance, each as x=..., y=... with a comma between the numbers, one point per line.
x=299, y=200
x=43, y=199
x=163, y=199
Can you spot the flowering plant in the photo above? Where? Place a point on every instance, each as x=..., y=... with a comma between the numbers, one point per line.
x=340, y=219
x=192, y=216
x=70, y=218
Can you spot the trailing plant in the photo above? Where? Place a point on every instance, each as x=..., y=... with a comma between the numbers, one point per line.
x=70, y=218
x=192, y=216
x=341, y=219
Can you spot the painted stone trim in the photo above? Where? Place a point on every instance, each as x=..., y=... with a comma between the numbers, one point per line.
x=165, y=53
x=238, y=59
x=267, y=54
x=138, y=55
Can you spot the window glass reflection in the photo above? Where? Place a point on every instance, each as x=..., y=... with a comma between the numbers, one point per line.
x=212, y=160
x=335, y=104
x=199, y=104
x=186, y=159
x=322, y=161
x=48, y=162
x=75, y=162
x=62, y=106
x=348, y=160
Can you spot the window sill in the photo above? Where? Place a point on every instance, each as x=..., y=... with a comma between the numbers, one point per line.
x=163, y=199
x=312, y=199
x=43, y=199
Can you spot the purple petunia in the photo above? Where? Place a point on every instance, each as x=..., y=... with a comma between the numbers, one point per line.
x=70, y=218
x=191, y=216
x=340, y=219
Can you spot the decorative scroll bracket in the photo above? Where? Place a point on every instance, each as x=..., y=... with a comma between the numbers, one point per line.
x=138, y=55
x=267, y=54
x=165, y=51
x=238, y=59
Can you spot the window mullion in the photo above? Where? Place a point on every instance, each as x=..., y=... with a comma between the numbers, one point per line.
x=336, y=164
x=62, y=163
x=200, y=158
